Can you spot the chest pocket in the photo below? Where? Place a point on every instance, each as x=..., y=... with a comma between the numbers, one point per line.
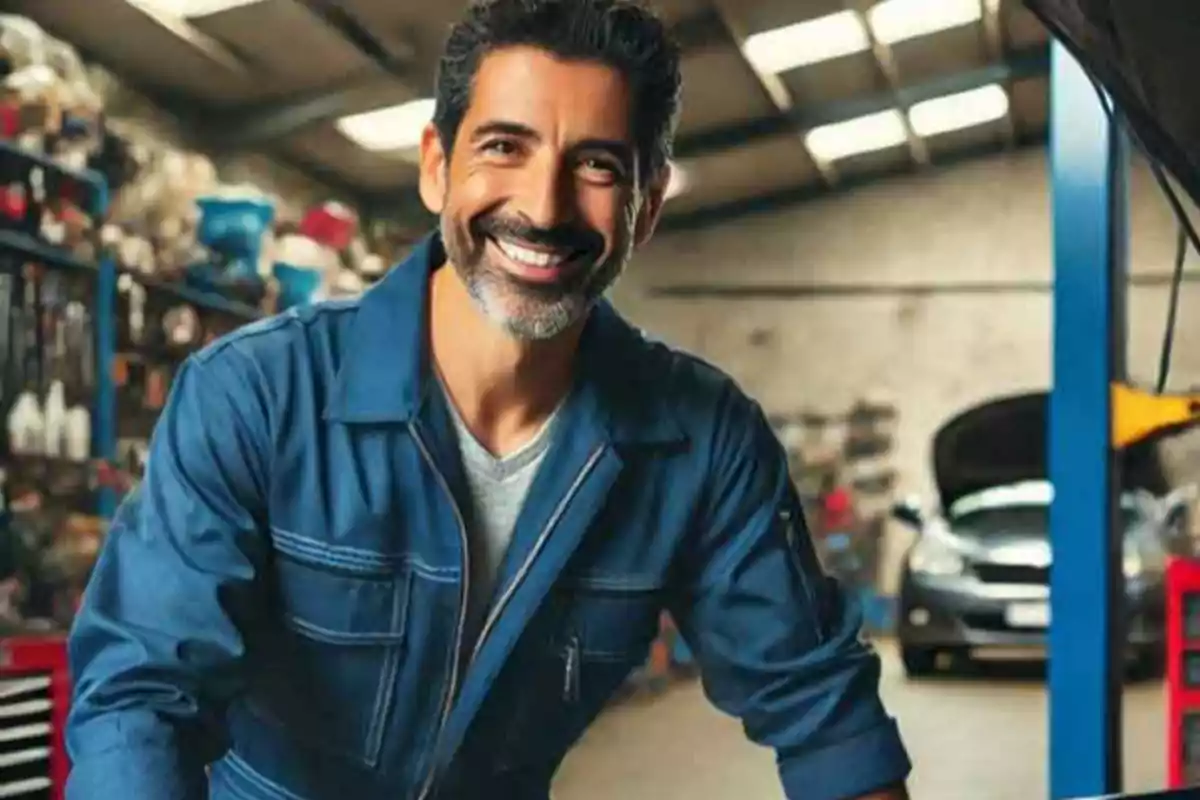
x=598, y=634
x=333, y=667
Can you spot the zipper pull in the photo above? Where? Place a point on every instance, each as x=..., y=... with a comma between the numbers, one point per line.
x=571, y=672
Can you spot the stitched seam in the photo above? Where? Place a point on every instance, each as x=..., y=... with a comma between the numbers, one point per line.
x=315, y=556
x=383, y=701
x=802, y=574
x=341, y=637
x=610, y=656
x=357, y=558
x=263, y=327
x=633, y=585
x=334, y=553
x=387, y=681
x=239, y=765
x=368, y=554
x=436, y=574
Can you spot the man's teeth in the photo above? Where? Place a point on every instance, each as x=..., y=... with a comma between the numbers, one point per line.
x=530, y=258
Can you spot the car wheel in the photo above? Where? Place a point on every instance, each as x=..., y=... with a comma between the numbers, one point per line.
x=918, y=661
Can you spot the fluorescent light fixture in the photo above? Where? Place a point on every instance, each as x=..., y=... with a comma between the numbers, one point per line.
x=678, y=183
x=191, y=9
x=390, y=128
x=808, y=42
x=853, y=137
x=897, y=20
x=956, y=111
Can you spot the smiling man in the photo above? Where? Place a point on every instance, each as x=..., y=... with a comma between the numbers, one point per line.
x=410, y=545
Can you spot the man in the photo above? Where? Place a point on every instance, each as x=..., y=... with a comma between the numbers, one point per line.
x=407, y=546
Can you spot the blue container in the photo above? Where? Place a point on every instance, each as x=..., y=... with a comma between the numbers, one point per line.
x=234, y=228
x=297, y=285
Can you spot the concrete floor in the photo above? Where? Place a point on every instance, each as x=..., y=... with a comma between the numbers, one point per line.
x=981, y=736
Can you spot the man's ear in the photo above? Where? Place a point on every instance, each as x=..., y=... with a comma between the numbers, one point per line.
x=652, y=206
x=434, y=164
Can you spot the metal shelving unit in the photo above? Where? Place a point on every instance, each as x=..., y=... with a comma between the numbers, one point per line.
x=34, y=685
x=20, y=246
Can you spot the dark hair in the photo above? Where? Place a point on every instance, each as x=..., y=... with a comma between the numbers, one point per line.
x=623, y=34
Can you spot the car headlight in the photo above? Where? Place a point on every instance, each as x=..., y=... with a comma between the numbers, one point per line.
x=934, y=557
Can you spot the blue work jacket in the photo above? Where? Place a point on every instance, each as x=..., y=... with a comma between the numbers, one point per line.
x=277, y=612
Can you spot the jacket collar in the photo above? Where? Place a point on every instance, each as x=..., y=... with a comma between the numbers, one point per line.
x=384, y=372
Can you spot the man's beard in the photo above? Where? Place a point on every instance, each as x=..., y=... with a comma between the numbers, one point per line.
x=532, y=311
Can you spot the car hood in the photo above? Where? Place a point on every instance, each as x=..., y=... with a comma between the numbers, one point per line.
x=1003, y=442
x=1144, y=53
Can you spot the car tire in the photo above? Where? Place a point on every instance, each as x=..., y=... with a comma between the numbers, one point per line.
x=919, y=662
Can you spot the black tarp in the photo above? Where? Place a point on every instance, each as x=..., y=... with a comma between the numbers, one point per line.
x=1146, y=54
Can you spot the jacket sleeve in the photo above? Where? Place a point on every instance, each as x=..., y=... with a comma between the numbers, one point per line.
x=776, y=640
x=155, y=648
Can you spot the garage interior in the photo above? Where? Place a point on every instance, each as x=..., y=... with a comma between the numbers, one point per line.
x=866, y=228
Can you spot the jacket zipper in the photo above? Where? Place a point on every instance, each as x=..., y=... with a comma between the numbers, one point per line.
x=559, y=510
x=571, y=677
x=494, y=615
x=452, y=686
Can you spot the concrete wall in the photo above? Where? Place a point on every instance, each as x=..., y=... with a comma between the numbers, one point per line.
x=933, y=352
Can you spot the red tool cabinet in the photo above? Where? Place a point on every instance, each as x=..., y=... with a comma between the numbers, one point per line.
x=34, y=697
x=1183, y=673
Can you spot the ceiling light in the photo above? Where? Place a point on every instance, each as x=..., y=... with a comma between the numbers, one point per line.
x=191, y=9
x=861, y=135
x=678, y=183
x=896, y=20
x=956, y=111
x=391, y=128
x=804, y=43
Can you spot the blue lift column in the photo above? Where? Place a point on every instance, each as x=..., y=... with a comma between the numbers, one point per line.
x=1088, y=177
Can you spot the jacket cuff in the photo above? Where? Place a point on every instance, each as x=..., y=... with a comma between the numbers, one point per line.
x=848, y=770
x=147, y=772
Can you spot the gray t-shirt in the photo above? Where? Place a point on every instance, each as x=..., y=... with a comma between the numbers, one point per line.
x=498, y=488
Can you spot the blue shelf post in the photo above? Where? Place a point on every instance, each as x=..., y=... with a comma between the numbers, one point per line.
x=1088, y=175
x=104, y=414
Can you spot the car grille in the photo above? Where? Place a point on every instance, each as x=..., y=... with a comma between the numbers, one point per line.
x=985, y=621
x=1012, y=573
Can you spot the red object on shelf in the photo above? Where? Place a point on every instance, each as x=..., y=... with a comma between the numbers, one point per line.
x=331, y=224
x=12, y=202
x=34, y=656
x=10, y=120
x=1183, y=690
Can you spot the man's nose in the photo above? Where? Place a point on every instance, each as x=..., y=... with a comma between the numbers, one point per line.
x=548, y=194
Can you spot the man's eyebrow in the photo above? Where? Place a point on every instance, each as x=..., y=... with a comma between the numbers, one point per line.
x=499, y=126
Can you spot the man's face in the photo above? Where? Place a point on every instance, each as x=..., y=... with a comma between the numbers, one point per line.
x=540, y=200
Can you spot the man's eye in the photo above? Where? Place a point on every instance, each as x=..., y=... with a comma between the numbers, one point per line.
x=599, y=164
x=602, y=167
x=500, y=147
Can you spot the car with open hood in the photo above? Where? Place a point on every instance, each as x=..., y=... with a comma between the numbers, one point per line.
x=976, y=580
